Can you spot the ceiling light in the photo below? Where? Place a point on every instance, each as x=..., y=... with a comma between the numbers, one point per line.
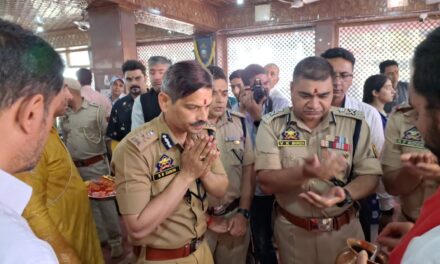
x=396, y=3
x=39, y=29
x=297, y=4
x=154, y=11
x=240, y=2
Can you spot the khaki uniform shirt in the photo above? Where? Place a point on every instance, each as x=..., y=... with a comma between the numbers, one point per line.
x=236, y=151
x=283, y=141
x=84, y=131
x=401, y=136
x=145, y=162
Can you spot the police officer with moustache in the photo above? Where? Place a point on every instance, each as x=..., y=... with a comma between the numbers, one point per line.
x=165, y=169
x=317, y=160
x=230, y=213
x=403, y=147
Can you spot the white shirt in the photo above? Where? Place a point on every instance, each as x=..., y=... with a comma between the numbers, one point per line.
x=18, y=244
x=276, y=93
x=373, y=119
x=137, y=115
x=424, y=248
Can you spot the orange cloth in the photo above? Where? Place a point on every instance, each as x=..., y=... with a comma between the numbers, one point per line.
x=59, y=210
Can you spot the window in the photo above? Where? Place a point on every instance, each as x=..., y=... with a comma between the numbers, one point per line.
x=175, y=51
x=372, y=44
x=284, y=49
x=74, y=58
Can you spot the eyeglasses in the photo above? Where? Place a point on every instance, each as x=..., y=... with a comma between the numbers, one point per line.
x=343, y=75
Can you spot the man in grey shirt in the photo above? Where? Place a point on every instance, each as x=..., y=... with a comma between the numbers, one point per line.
x=391, y=69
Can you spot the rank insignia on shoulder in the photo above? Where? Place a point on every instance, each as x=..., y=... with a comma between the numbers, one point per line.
x=335, y=142
x=403, y=107
x=270, y=116
x=348, y=112
x=291, y=138
x=165, y=167
x=142, y=139
x=411, y=138
x=166, y=141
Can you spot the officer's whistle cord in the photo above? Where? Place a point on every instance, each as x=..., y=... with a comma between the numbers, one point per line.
x=197, y=195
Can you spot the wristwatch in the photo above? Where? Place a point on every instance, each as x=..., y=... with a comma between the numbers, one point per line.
x=244, y=212
x=347, y=201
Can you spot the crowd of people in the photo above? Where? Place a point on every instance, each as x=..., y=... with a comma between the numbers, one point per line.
x=205, y=177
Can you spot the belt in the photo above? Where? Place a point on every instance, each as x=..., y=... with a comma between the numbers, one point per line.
x=223, y=209
x=167, y=254
x=319, y=224
x=89, y=161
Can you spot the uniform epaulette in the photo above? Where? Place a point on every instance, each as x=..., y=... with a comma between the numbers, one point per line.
x=93, y=104
x=267, y=118
x=143, y=137
x=237, y=114
x=402, y=108
x=348, y=112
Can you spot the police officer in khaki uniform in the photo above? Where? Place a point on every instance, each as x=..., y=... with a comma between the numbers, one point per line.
x=400, y=177
x=229, y=235
x=165, y=168
x=84, y=127
x=317, y=160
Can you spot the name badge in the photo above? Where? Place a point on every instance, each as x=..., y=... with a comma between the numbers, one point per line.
x=292, y=143
x=291, y=138
x=411, y=138
x=165, y=168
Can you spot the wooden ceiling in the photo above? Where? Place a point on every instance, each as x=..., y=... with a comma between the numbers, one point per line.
x=51, y=14
x=55, y=15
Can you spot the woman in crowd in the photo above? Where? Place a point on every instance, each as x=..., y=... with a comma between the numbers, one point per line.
x=378, y=91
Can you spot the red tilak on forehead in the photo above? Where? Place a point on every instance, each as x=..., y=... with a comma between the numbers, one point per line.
x=315, y=91
x=204, y=101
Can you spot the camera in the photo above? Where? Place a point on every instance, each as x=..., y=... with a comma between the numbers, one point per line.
x=258, y=91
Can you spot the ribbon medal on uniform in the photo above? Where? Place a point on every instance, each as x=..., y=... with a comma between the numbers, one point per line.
x=335, y=142
x=165, y=167
x=411, y=138
x=290, y=138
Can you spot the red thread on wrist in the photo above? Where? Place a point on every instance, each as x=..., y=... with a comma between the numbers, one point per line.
x=209, y=220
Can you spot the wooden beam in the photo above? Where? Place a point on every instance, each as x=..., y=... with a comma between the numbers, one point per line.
x=202, y=15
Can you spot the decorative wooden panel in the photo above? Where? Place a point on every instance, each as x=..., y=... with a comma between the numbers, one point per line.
x=203, y=15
